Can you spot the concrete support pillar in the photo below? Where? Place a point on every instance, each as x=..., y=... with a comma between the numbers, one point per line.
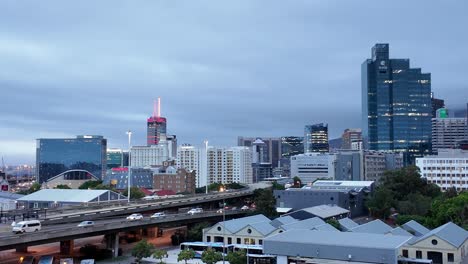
x=115, y=251
x=22, y=249
x=66, y=247
x=151, y=231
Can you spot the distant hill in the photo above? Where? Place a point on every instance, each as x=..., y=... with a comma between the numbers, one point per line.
x=335, y=143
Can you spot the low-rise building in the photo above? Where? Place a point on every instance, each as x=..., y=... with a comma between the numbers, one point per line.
x=446, y=244
x=350, y=195
x=310, y=167
x=177, y=180
x=447, y=169
x=140, y=177
x=50, y=198
x=8, y=200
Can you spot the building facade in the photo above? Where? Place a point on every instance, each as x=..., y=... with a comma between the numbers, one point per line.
x=226, y=165
x=316, y=138
x=447, y=169
x=310, y=167
x=140, y=177
x=177, y=180
x=147, y=156
x=66, y=155
x=436, y=104
x=273, y=147
x=115, y=158
x=350, y=135
x=189, y=158
x=446, y=132
x=396, y=105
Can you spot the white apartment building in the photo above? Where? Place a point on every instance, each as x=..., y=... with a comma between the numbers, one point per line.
x=447, y=131
x=189, y=158
x=313, y=166
x=146, y=156
x=447, y=169
x=226, y=165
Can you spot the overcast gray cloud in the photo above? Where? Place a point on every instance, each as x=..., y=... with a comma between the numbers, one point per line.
x=222, y=68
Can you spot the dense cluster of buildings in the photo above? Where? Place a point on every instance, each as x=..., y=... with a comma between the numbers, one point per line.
x=402, y=122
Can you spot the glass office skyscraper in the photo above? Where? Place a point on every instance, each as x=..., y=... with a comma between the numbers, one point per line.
x=396, y=105
x=316, y=138
x=76, y=158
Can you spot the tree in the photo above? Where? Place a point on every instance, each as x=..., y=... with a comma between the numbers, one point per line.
x=34, y=188
x=196, y=232
x=277, y=186
x=453, y=209
x=159, y=254
x=403, y=219
x=186, y=255
x=62, y=186
x=297, y=182
x=380, y=203
x=142, y=249
x=211, y=256
x=135, y=193
x=237, y=257
x=334, y=223
x=215, y=187
x=265, y=202
x=89, y=185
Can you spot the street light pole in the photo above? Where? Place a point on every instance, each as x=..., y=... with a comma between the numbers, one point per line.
x=224, y=228
x=129, y=133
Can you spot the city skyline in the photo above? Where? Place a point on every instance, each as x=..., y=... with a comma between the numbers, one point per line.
x=263, y=75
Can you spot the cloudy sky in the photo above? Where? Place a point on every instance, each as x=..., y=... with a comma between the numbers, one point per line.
x=222, y=68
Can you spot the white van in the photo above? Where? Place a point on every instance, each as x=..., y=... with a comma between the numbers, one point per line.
x=27, y=226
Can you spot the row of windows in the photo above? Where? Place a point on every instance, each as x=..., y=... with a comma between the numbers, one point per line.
x=448, y=182
x=438, y=161
x=444, y=175
x=445, y=168
x=450, y=256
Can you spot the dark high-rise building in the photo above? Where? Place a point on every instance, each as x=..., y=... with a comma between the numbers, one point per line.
x=436, y=104
x=316, y=138
x=396, y=105
x=291, y=146
x=273, y=147
x=156, y=129
x=114, y=158
x=75, y=158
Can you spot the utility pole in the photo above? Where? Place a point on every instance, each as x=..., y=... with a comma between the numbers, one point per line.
x=129, y=133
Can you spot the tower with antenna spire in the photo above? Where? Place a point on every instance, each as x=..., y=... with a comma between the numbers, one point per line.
x=157, y=125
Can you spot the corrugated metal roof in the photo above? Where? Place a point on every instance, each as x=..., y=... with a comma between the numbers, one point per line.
x=449, y=232
x=325, y=211
x=347, y=224
x=283, y=220
x=235, y=225
x=264, y=228
x=376, y=227
x=9, y=195
x=63, y=195
x=416, y=228
x=325, y=227
x=345, y=239
x=304, y=224
x=398, y=231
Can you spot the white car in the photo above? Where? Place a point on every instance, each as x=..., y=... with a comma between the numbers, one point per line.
x=158, y=215
x=86, y=224
x=245, y=208
x=195, y=211
x=135, y=217
x=220, y=211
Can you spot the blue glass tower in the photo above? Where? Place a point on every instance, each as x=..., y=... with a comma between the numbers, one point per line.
x=396, y=105
x=76, y=158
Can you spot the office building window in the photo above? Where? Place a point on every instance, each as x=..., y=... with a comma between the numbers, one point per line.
x=419, y=254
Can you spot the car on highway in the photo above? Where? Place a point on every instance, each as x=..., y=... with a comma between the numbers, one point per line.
x=135, y=217
x=195, y=211
x=158, y=215
x=220, y=211
x=86, y=224
x=245, y=208
x=27, y=260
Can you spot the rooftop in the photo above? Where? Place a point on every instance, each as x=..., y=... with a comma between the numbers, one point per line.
x=304, y=224
x=449, y=232
x=344, y=183
x=64, y=195
x=347, y=224
x=325, y=211
x=376, y=227
x=235, y=225
x=416, y=228
x=283, y=220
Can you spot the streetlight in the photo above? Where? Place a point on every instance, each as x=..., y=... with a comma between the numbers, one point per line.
x=221, y=189
x=129, y=133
